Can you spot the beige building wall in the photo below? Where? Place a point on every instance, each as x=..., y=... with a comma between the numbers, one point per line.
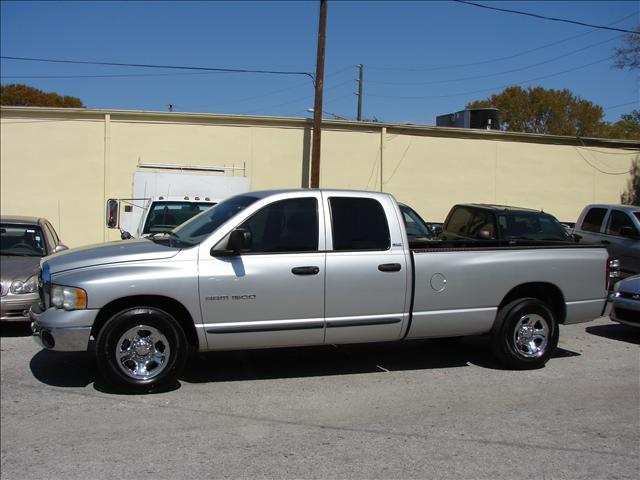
x=64, y=164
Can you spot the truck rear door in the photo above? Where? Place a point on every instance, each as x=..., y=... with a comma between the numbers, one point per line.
x=368, y=276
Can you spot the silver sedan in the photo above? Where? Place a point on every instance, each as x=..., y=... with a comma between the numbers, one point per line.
x=23, y=242
x=626, y=301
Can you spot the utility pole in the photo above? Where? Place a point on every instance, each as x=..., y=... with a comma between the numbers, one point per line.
x=317, y=106
x=361, y=67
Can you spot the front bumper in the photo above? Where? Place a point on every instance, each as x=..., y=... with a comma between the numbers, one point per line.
x=61, y=330
x=15, y=308
x=625, y=310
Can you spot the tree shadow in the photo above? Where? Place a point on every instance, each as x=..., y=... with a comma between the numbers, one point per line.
x=616, y=331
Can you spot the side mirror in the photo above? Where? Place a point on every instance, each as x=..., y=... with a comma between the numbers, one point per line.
x=627, y=232
x=239, y=241
x=112, y=213
x=60, y=248
x=124, y=235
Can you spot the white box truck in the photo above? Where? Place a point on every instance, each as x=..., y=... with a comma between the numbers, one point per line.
x=162, y=201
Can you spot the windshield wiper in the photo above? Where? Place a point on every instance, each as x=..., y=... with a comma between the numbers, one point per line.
x=174, y=237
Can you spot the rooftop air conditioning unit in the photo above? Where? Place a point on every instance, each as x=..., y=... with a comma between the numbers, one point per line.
x=482, y=118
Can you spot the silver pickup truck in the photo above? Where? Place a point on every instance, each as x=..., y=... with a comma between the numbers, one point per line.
x=307, y=267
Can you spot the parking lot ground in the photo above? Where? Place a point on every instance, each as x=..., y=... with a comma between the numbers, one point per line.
x=405, y=410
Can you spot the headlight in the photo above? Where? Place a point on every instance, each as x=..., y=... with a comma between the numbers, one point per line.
x=29, y=286
x=69, y=298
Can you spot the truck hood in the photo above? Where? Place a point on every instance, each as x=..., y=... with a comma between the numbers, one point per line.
x=106, y=253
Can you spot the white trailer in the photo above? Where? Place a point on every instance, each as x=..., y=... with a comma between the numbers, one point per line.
x=162, y=201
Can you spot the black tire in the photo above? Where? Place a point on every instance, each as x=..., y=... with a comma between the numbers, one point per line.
x=141, y=349
x=525, y=334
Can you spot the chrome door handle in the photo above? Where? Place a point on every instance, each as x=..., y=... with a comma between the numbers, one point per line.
x=305, y=270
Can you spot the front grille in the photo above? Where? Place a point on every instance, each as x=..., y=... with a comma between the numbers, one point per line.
x=627, y=315
x=630, y=296
x=4, y=289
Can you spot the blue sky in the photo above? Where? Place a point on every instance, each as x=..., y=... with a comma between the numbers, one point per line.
x=416, y=54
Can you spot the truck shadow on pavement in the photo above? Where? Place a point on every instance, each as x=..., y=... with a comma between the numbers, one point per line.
x=616, y=331
x=343, y=360
x=15, y=329
x=78, y=369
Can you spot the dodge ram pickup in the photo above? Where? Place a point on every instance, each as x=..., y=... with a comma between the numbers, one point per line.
x=307, y=267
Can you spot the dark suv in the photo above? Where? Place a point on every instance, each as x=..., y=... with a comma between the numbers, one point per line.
x=501, y=223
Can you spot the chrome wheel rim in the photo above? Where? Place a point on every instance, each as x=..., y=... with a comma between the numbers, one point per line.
x=531, y=335
x=142, y=352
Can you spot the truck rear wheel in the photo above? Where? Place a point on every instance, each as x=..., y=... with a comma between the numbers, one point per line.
x=525, y=334
x=141, y=349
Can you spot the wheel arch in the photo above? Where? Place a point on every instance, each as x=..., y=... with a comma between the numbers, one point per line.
x=169, y=305
x=543, y=291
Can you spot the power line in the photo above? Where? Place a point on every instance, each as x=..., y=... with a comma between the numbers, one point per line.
x=460, y=94
x=266, y=94
x=543, y=17
x=434, y=82
x=174, y=67
x=499, y=59
x=596, y=167
x=289, y=102
x=123, y=75
x=636, y=102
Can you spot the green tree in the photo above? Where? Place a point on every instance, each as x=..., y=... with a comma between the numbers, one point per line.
x=538, y=110
x=628, y=127
x=628, y=56
x=26, y=96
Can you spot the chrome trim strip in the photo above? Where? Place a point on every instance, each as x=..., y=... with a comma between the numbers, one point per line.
x=266, y=326
x=456, y=310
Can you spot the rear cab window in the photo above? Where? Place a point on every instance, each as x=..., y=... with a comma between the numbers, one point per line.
x=617, y=221
x=358, y=224
x=471, y=223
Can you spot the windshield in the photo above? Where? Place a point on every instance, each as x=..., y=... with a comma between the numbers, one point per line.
x=199, y=227
x=164, y=216
x=537, y=226
x=22, y=240
x=414, y=223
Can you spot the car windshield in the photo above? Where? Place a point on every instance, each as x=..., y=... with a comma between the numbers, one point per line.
x=22, y=240
x=538, y=226
x=201, y=226
x=166, y=215
x=414, y=223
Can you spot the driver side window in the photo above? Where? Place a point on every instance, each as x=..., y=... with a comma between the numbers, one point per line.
x=284, y=227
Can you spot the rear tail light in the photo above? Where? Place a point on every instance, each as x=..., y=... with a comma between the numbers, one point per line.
x=613, y=272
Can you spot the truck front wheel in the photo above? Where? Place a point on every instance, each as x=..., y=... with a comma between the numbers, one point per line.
x=141, y=349
x=525, y=334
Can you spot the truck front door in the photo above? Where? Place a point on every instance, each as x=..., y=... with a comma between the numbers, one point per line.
x=272, y=294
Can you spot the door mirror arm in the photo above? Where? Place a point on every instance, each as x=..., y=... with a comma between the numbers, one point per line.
x=239, y=241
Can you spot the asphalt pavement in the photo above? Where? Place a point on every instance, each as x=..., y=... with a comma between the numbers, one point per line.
x=404, y=410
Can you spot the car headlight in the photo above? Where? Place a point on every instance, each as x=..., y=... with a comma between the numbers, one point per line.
x=28, y=286
x=69, y=298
